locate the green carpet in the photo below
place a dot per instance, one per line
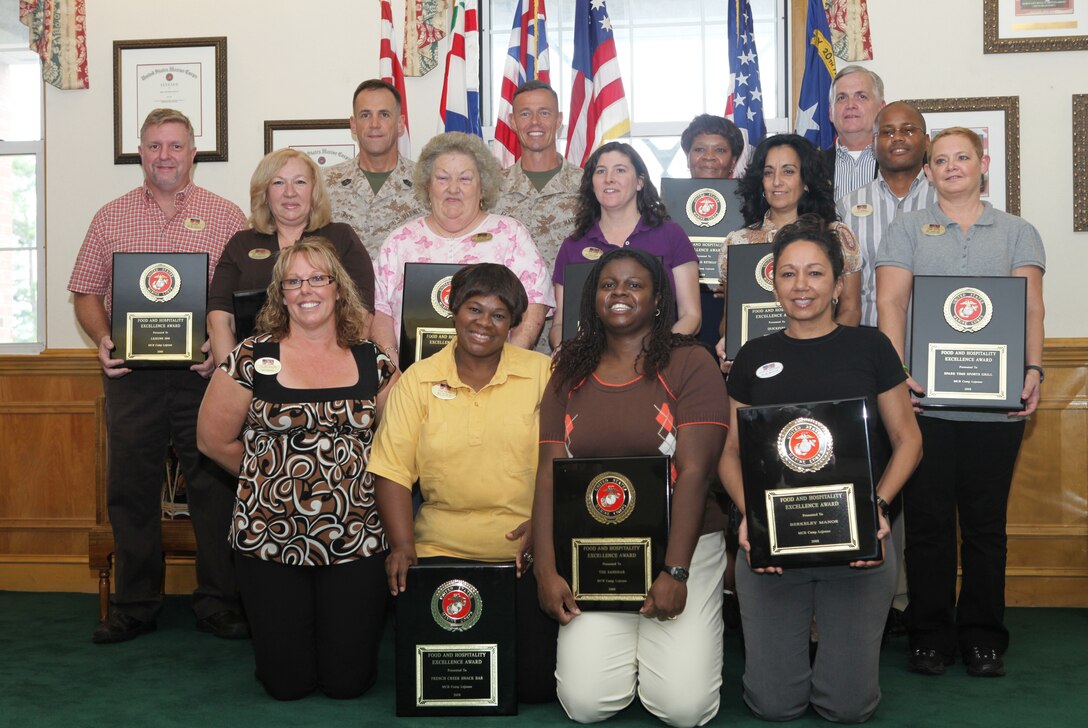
(52, 675)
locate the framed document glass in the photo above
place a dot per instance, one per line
(160, 304)
(809, 487)
(326, 141)
(426, 318)
(611, 527)
(575, 276)
(456, 641)
(185, 74)
(967, 341)
(751, 310)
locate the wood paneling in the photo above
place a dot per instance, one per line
(50, 412)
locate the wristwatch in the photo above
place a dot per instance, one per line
(676, 572)
(1036, 367)
(884, 506)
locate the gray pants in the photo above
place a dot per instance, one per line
(850, 607)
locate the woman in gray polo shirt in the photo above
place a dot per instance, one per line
(968, 456)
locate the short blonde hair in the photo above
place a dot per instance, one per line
(260, 218)
(454, 142)
(975, 139)
(352, 319)
(158, 117)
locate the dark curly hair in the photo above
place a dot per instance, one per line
(648, 201)
(814, 229)
(579, 357)
(718, 125)
(819, 198)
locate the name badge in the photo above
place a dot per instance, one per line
(267, 365)
(770, 369)
(592, 253)
(862, 210)
(482, 237)
(933, 229)
(194, 223)
(260, 253)
(443, 391)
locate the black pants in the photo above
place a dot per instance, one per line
(966, 469)
(537, 636)
(315, 627)
(145, 410)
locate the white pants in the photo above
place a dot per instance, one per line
(676, 664)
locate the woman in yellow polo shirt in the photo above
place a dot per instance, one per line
(464, 423)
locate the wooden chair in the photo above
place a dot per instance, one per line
(177, 534)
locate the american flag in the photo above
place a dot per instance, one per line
(814, 104)
(460, 105)
(526, 59)
(390, 71)
(598, 108)
(745, 105)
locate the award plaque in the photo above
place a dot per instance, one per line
(809, 488)
(455, 644)
(247, 304)
(711, 210)
(611, 520)
(967, 341)
(574, 280)
(160, 304)
(750, 310)
(426, 318)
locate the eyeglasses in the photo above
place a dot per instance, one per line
(290, 284)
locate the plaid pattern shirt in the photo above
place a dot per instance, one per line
(134, 223)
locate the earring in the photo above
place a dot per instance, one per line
(657, 313)
(834, 302)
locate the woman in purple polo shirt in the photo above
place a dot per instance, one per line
(620, 207)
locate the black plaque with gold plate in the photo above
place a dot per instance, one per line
(708, 210)
(575, 276)
(426, 318)
(455, 643)
(160, 304)
(809, 486)
(611, 528)
(968, 339)
(751, 310)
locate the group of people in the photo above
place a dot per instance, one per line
(301, 464)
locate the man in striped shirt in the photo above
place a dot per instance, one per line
(148, 410)
(857, 94)
(899, 137)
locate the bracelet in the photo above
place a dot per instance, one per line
(1035, 367)
(906, 370)
(885, 507)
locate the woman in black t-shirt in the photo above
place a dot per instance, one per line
(816, 359)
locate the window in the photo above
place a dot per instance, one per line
(22, 216)
(673, 57)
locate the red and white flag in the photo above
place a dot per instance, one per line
(598, 108)
(391, 72)
(526, 60)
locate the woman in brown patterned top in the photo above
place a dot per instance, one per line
(293, 412)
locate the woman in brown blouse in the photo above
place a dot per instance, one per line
(293, 412)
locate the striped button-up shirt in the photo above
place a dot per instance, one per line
(851, 173)
(868, 211)
(134, 223)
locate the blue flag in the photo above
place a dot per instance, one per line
(814, 104)
(746, 103)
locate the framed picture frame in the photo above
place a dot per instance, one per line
(1031, 26)
(326, 141)
(997, 120)
(1080, 163)
(187, 74)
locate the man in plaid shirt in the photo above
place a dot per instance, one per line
(146, 410)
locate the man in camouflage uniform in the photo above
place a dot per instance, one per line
(541, 189)
(373, 193)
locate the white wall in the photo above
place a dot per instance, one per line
(287, 62)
